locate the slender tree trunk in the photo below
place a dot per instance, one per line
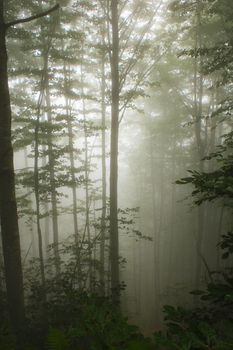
(68, 109)
(31, 227)
(8, 207)
(114, 239)
(37, 195)
(158, 253)
(198, 95)
(46, 220)
(155, 227)
(87, 195)
(46, 224)
(86, 166)
(219, 233)
(52, 174)
(71, 154)
(155, 220)
(153, 193)
(173, 216)
(104, 198)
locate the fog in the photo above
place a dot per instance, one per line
(119, 110)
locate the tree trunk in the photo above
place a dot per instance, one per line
(156, 232)
(114, 239)
(8, 207)
(31, 227)
(71, 153)
(104, 199)
(46, 221)
(37, 195)
(52, 174)
(198, 96)
(86, 172)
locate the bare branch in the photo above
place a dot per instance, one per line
(31, 18)
(143, 76)
(133, 60)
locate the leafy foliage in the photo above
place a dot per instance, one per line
(209, 326)
(218, 184)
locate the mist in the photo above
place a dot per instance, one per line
(116, 174)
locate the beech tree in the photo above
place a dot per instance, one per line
(114, 240)
(129, 49)
(8, 207)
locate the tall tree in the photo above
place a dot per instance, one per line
(115, 94)
(104, 185)
(8, 207)
(130, 65)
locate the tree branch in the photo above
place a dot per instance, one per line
(31, 18)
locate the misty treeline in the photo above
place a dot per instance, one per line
(116, 174)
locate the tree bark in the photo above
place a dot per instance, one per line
(52, 178)
(71, 153)
(198, 97)
(31, 227)
(104, 196)
(37, 195)
(8, 207)
(87, 228)
(114, 239)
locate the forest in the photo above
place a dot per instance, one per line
(116, 175)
